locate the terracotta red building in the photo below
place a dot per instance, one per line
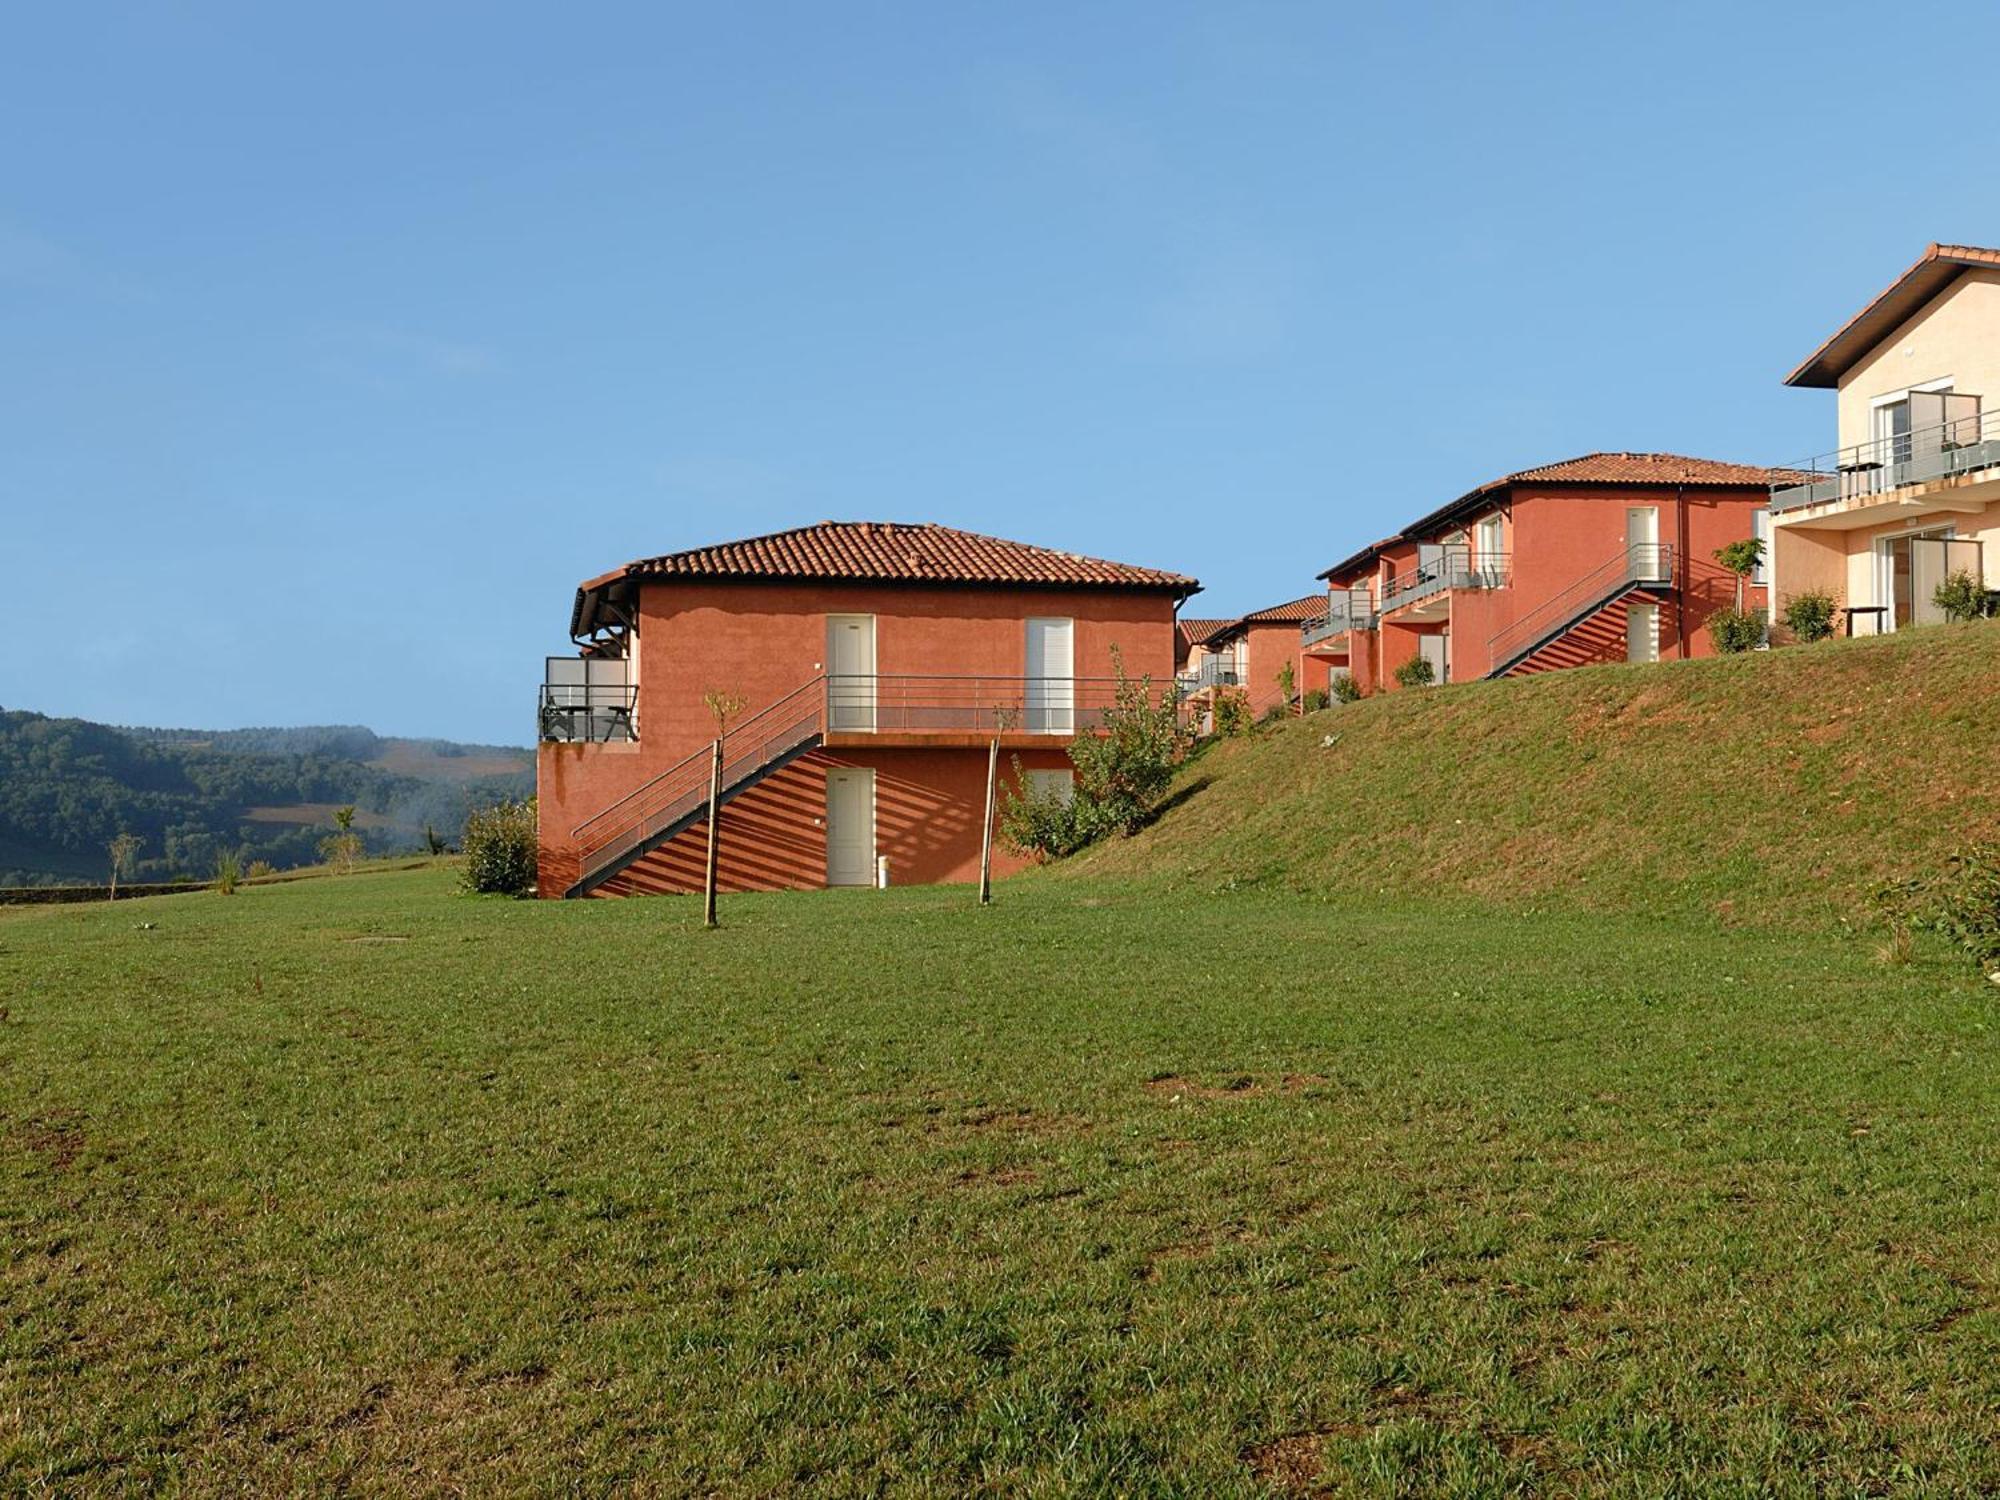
(1607, 557)
(874, 663)
(1249, 655)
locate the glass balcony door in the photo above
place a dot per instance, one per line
(1910, 567)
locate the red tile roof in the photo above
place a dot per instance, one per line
(1311, 607)
(1194, 632)
(881, 552)
(1639, 468)
(1935, 269)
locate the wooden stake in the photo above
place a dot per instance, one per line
(986, 830)
(714, 809)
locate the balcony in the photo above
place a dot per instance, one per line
(1213, 672)
(938, 709)
(586, 700)
(586, 707)
(1436, 575)
(1347, 609)
(1947, 466)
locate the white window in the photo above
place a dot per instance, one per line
(1642, 632)
(1490, 542)
(1761, 529)
(1043, 786)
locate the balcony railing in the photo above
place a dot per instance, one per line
(1211, 672)
(1452, 568)
(1347, 609)
(875, 704)
(969, 705)
(1884, 465)
(587, 713)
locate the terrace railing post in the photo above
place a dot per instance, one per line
(986, 828)
(714, 811)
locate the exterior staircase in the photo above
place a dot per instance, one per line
(1641, 567)
(677, 799)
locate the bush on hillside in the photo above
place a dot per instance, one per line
(499, 847)
(1809, 614)
(1346, 689)
(1275, 714)
(1960, 903)
(1230, 712)
(1962, 596)
(1120, 775)
(1416, 672)
(1735, 630)
(1316, 699)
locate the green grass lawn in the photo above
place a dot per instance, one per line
(1110, 1189)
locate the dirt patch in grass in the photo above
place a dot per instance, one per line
(1173, 1087)
(1014, 1175)
(1024, 1121)
(1292, 1463)
(56, 1137)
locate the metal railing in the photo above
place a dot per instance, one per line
(586, 713)
(1638, 563)
(1211, 672)
(1883, 465)
(1346, 609)
(1453, 567)
(967, 705)
(682, 789)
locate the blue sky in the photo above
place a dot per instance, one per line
(338, 343)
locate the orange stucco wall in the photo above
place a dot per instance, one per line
(762, 641)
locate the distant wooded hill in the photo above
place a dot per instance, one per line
(68, 787)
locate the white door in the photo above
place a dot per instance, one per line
(1051, 677)
(1491, 562)
(850, 826)
(1642, 632)
(1436, 649)
(850, 672)
(1642, 543)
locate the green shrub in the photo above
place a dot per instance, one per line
(1346, 689)
(1809, 615)
(1276, 713)
(1416, 672)
(1962, 596)
(1120, 774)
(1230, 712)
(499, 846)
(228, 872)
(1735, 630)
(1047, 824)
(1960, 903)
(1315, 700)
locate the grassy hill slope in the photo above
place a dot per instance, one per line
(1783, 784)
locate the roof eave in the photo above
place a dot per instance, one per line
(1937, 268)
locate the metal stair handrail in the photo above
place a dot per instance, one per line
(667, 787)
(1635, 563)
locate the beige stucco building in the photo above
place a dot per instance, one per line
(1912, 493)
